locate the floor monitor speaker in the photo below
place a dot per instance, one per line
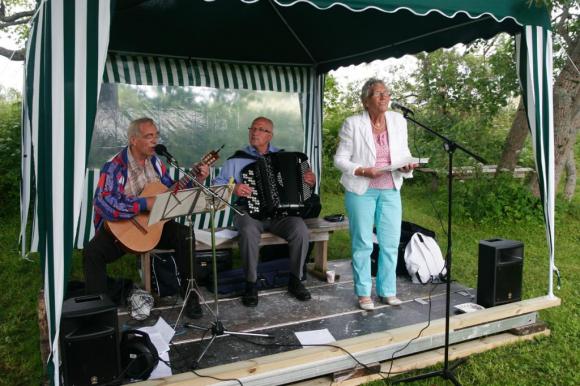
(500, 271)
(89, 341)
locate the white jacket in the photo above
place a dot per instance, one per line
(357, 149)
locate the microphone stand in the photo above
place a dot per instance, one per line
(450, 146)
(217, 328)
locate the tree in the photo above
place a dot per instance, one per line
(464, 93)
(14, 23)
(566, 95)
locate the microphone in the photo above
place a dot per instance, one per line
(162, 150)
(397, 105)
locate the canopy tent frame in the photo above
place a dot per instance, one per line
(66, 59)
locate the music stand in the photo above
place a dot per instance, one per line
(187, 202)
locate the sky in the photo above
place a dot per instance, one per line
(11, 73)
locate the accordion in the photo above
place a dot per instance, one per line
(277, 182)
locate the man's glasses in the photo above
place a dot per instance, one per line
(377, 94)
(260, 129)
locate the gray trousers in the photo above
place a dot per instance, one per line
(292, 229)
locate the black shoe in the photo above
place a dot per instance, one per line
(193, 309)
(296, 288)
(250, 296)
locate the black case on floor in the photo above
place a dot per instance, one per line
(204, 264)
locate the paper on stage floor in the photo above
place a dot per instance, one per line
(315, 337)
(160, 334)
(403, 162)
(221, 236)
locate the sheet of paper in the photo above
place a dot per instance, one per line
(160, 334)
(403, 162)
(227, 234)
(220, 237)
(173, 204)
(162, 370)
(164, 329)
(315, 337)
(185, 202)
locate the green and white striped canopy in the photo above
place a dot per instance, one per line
(280, 45)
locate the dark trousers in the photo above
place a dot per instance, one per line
(291, 228)
(104, 249)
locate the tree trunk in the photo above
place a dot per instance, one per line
(515, 140)
(570, 176)
(566, 109)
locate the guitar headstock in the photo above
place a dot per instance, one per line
(211, 157)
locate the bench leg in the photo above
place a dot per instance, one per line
(146, 268)
(320, 259)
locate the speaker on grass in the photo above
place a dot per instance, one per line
(500, 271)
(89, 341)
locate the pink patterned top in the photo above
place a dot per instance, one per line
(383, 159)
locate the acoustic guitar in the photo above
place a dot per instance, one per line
(135, 234)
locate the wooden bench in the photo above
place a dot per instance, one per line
(319, 231)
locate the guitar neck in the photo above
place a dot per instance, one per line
(209, 159)
(181, 183)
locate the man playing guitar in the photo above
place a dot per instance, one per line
(121, 181)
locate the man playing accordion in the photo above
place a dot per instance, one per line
(291, 228)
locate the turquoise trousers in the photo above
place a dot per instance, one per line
(382, 209)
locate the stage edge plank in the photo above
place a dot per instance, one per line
(296, 365)
(430, 358)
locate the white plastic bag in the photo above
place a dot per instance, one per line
(424, 260)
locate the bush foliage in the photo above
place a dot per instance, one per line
(10, 150)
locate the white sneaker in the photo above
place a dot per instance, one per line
(366, 304)
(392, 301)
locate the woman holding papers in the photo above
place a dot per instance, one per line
(369, 144)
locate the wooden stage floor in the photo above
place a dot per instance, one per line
(333, 307)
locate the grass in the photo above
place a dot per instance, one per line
(547, 361)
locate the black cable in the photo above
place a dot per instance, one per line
(181, 355)
(118, 379)
(418, 335)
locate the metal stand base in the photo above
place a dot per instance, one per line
(446, 374)
(217, 329)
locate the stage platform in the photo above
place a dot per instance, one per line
(372, 336)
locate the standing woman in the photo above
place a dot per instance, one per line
(369, 141)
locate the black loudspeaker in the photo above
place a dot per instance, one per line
(139, 356)
(500, 271)
(89, 341)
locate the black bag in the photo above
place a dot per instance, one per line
(271, 274)
(408, 229)
(164, 274)
(204, 264)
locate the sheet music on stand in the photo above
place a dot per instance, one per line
(184, 202)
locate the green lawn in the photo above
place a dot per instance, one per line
(546, 361)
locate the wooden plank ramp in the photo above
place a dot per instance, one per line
(306, 363)
(429, 358)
